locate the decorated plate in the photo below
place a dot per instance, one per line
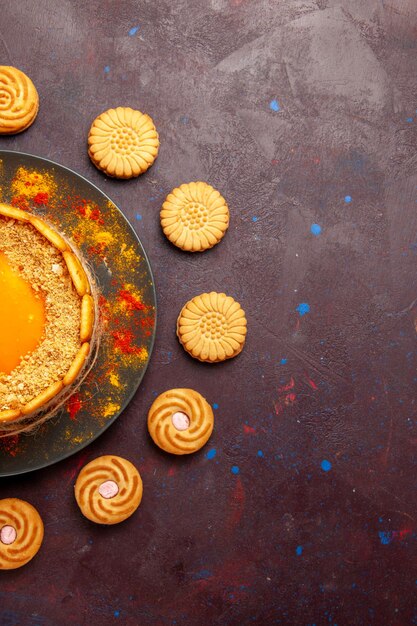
(127, 305)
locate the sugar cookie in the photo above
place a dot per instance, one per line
(108, 490)
(194, 217)
(180, 421)
(19, 100)
(212, 327)
(123, 142)
(21, 533)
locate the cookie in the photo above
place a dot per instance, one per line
(19, 101)
(212, 327)
(180, 421)
(21, 533)
(123, 142)
(194, 217)
(108, 490)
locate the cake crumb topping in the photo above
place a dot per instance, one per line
(42, 266)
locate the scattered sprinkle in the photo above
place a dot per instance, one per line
(315, 229)
(260, 453)
(215, 406)
(303, 308)
(326, 465)
(211, 453)
(133, 31)
(107, 69)
(274, 106)
(384, 537)
(409, 119)
(348, 199)
(116, 613)
(235, 469)
(254, 218)
(299, 550)
(202, 575)
(138, 217)
(283, 361)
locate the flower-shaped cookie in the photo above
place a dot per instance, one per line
(212, 327)
(123, 142)
(19, 100)
(180, 421)
(21, 533)
(194, 217)
(108, 490)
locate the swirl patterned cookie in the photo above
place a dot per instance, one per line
(123, 143)
(108, 490)
(19, 101)
(180, 421)
(21, 533)
(212, 327)
(194, 217)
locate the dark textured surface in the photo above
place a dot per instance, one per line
(283, 541)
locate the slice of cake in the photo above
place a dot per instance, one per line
(47, 315)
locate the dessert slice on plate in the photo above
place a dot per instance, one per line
(47, 318)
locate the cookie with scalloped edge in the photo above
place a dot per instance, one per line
(123, 142)
(212, 327)
(194, 217)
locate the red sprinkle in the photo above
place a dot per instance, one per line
(133, 303)
(10, 445)
(74, 405)
(20, 202)
(41, 198)
(123, 341)
(91, 214)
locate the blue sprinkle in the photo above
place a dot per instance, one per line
(326, 465)
(409, 119)
(215, 406)
(315, 229)
(260, 453)
(203, 574)
(107, 69)
(303, 308)
(184, 119)
(380, 520)
(211, 453)
(235, 469)
(133, 31)
(116, 613)
(348, 199)
(274, 106)
(138, 217)
(283, 361)
(299, 550)
(254, 218)
(385, 537)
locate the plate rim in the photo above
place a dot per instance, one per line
(127, 401)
